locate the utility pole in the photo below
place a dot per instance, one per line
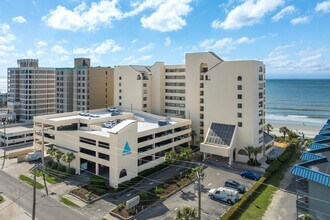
(199, 196)
(4, 121)
(34, 169)
(43, 157)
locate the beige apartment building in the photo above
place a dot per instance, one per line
(115, 146)
(224, 99)
(31, 90)
(83, 87)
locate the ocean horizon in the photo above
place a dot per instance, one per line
(288, 101)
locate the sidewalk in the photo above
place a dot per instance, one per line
(13, 211)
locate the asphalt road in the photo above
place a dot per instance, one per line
(211, 209)
(46, 208)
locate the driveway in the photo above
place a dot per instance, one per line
(211, 209)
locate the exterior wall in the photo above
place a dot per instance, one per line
(80, 89)
(128, 91)
(31, 90)
(64, 90)
(16, 138)
(100, 87)
(157, 88)
(319, 207)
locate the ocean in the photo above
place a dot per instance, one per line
(288, 101)
(300, 102)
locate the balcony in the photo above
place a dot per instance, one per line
(302, 186)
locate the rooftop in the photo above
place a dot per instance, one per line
(220, 134)
(16, 129)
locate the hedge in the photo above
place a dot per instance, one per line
(285, 155)
(233, 210)
(274, 166)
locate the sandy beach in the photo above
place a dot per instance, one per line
(309, 131)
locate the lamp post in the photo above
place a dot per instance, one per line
(4, 122)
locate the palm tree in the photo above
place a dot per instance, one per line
(186, 154)
(68, 157)
(256, 151)
(284, 131)
(269, 128)
(57, 154)
(187, 213)
(249, 150)
(171, 157)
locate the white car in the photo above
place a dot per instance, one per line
(224, 194)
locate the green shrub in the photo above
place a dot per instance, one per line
(285, 155)
(71, 171)
(54, 165)
(49, 163)
(121, 206)
(233, 210)
(61, 168)
(96, 190)
(159, 190)
(143, 195)
(97, 181)
(273, 167)
(1, 198)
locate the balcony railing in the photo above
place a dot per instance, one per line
(302, 204)
(302, 185)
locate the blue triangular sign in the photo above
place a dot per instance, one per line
(127, 149)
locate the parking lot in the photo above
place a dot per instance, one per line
(211, 209)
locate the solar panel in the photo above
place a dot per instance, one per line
(220, 134)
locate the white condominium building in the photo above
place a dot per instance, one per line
(224, 99)
(31, 90)
(83, 87)
(116, 145)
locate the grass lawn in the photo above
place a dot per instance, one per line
(1, 198)
(69, 203)
(49, 178)
(30, 181)
(258, 206)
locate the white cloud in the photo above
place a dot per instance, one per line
(6, 48)
(59, 50)
(323, 7)
(41, 44)
(285, 11)
(5, 34)
(134, 41)
(167, 42)
(133, 60)
(19, 19)
(146, 47)
(228, 44)
(248, 13)
(300, 20)
(83, 17)
(168, 16)
(106, 46)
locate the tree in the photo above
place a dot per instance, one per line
(171, 157)
(187, 213)
(68, 157)
(256, 151)
(249, 150)
(284, 131)
(57, 154)
(269, 128)
(186, 154)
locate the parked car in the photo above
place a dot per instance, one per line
(224, 194)
(250, 175)
(235, 185)
(270, 159)
(33, 156)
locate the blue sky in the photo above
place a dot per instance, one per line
(290, 36)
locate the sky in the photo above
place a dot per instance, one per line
(292, 37)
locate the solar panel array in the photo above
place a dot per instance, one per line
(220, 134)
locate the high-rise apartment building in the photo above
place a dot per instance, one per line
(224, 99)
(83, 87)
(31, 90)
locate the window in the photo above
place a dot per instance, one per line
(242, 152)
(144, 105)
(104, 156)
(239, 96)
(239, 105)
(240, 124)
(123, 173)
(239, 87)
(144, 98)
(119, 103)
(239, 115)
(119, 90)
(119, 84)
(144, 84)
(119, 97)
(239, 78)
(202, 85)
(119, 77)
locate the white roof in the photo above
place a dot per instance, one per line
(120, 126)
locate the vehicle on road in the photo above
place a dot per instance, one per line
(250, 175)
(224, 194)
(235, 185)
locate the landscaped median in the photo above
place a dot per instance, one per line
(69, 202)
(30, 181)
(255, 202)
